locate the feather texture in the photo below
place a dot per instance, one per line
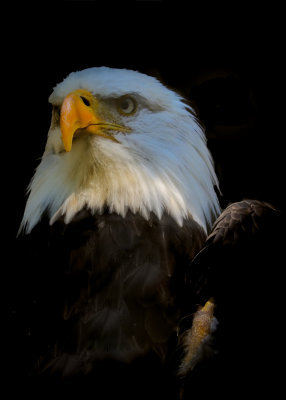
(110, 288)
(162, 165)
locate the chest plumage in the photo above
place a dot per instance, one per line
(117, 285)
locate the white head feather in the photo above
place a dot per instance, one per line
(162, 165)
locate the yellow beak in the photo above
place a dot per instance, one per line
(80, 110)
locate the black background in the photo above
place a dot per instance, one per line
(227, 61)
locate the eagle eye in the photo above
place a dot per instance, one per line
(126, 105)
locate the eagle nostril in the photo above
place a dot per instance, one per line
(86, 102)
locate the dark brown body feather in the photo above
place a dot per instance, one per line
(103, 298)
(107, 294)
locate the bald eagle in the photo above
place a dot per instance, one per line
(122, 201)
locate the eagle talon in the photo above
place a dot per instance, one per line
(197, 338)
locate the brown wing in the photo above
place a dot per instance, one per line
(241, 220)
(243, 241)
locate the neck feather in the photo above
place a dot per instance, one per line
(88, 177)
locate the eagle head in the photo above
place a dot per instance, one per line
(121, 139)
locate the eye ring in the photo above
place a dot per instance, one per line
(126, 105)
